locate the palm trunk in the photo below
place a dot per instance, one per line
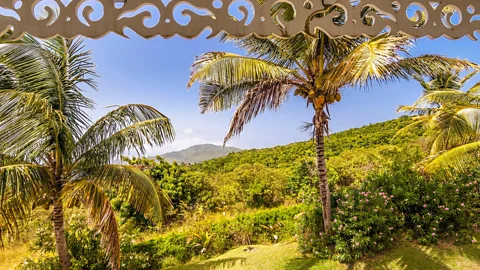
(322, 171)
(60, 239)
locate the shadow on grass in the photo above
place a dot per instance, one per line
(301, 263)
(408, 257)
(212, 265)
(470, 252)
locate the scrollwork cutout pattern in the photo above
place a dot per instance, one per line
(451, 18)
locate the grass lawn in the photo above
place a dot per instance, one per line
(405, 255)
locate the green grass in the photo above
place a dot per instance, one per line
(404, 255)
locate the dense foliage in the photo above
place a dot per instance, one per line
(284, 156)
(207, 238)
(391, 205)
(379, 199)
(83, 242)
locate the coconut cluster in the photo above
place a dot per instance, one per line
(319, 98)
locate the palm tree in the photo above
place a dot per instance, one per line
(453, 118)
(315, 68)
(56, 156)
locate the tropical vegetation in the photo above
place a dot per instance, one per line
(452, 117)
(66, 203)
(52, 155)
(315, 69)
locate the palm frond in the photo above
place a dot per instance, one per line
(468, 77)
(447, 96)
(451, 129)
(132, 184)
(283, 52)
(461, 158)
(372, 60)
(214, 97)
(21, 185)
(228, 69)
(266, 95)
(416, 110)
(475, 90)
(100, 213)
(428, 65)
(132, 126)
(411, 127)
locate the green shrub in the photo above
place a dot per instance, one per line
(212, 237)
(433, 209)
(362, 222)
(83, 246)
(396, 202)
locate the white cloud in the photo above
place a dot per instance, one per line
(187, 131)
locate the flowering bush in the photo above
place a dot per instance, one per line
(392, 204)
(433, 209)
(363, 222)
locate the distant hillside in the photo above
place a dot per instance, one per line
(284, 156)
(199, 153)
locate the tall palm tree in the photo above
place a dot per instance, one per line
(453, 118)
(316, 68)
(56, 155)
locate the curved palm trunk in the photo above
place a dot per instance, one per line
(322, 170)
(60, 239)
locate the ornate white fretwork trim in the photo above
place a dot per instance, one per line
(417, 18)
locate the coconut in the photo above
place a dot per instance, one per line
(338, 97)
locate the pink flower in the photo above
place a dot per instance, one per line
(456, 234)
(462, 204)
(374, 243)
(434, 229)
(334, 221)
(433, 234)
(381, 233)
(355, 218)
(391, 228)
(321, 234)
(474, 241)
(456, 190)
(346, 196)
(419, 226)
(384, 196)
(424, 206)
(446, 209)
(357, 244)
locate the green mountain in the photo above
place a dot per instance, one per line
(284, 156)
(199, 153)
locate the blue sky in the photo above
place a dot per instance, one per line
(156, 71)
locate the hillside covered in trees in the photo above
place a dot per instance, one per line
(366, 137)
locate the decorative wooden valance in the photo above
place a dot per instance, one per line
(418, 18)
